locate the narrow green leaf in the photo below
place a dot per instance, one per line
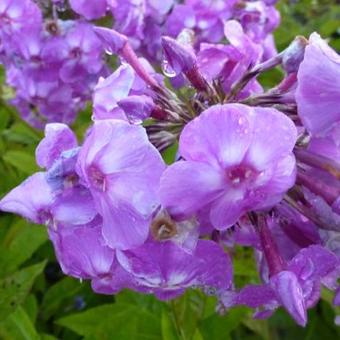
(20, 242)
(218, 327)
(56, 295)
(18, 326)
(15, 288)
(21, 160)
(115, 321)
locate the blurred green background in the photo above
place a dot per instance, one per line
(38, 302)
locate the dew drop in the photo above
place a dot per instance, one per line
(108, 51)
(167, 69)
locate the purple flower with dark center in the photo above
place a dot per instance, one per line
(234, 163)
(35, 208)
(122, 169)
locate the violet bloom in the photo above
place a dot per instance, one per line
(228, 63)
(318, 86)
(57, 193)
(108, 92)
(18, 15)
(124, 95)
(35, 208)
(58, 138)
(296, 287)
(142, 21)
(122, 169)
(237, 159)
(204, 17)
(84, 53)
(166, 270)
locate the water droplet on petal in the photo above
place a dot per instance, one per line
(108, 51)
(167, 69)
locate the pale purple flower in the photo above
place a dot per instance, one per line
(204, 17)
(166, 269)
(318, 84)
(297, 287)
(34, 207)
(122, 169)
(228, 63)
(108, 92)
(18, 15)
(49, 206)
(234, 163)
(58, 138)
(81, 251)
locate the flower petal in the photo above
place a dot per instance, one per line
(188, 186)
(221, 135)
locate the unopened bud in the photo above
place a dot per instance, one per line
(112, 40)
(293, 55)
(182, 58)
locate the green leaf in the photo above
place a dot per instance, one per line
(4, 118)
(31, 307)
(46, 336)
(187, 311)
(169, 154)
(20, 242)
(21, 132)
(56, 295)
(169, 331)
(119, 321)
(15, 288)
(219, 327)
(18, 326)
(21, 160)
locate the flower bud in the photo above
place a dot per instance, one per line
(182, 58)
(112, 40)
(294, 54)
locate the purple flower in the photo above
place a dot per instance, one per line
(166, 269)
(297, 287)
(122, 169)
(228, 63)
(108, 92)
(81, 251)
(234, 163)
(84, 50)
(18, 15)
(318, 84)
(204, 17)
(58, 138)
(49, 206)
(35, 207)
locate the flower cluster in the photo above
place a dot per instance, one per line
(53, 61)
(52, 64)
(144, 21)
(255, 168)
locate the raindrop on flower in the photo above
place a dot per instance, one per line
(167, 69)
